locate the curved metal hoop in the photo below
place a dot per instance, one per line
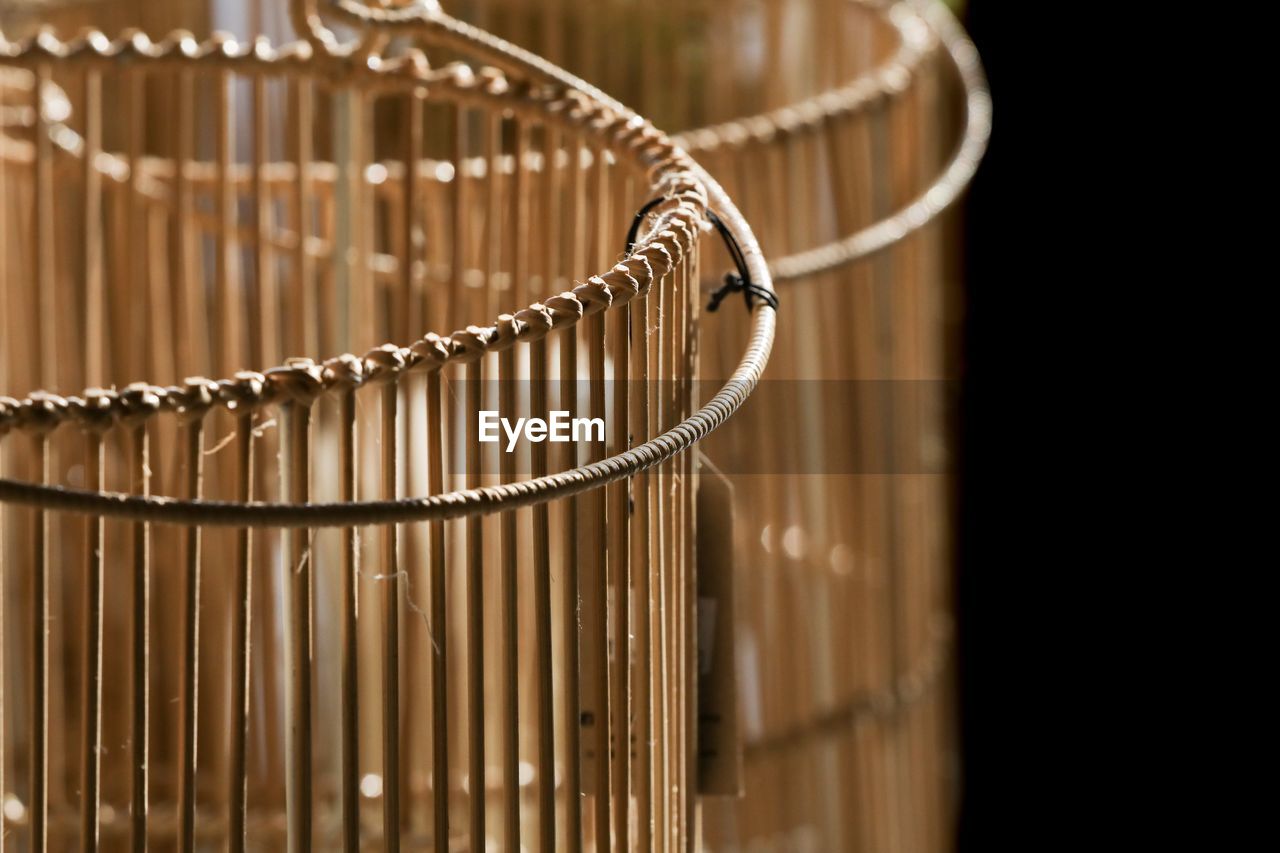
(436, 27)
(689, 190)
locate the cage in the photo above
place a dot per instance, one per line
(225, 620)
(844, 129)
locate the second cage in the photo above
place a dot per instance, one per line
(224, 619)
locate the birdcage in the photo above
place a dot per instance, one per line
(226, 618)
(844, 129)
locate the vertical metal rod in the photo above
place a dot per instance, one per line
(94, 318)
(620, 579)
(4, 755)
(688, 596)
(572, 609)
(139, 728)
(549, 228)
(679, 604)
(680, 692)
(646, 572)
(225, 289)
(550, 223)
(638, 553)
(413, 199)
(485, 300)
(687, 334)
(461, 210)
(342, 216)
(475, 617)
(46, 280)
(519, 211)
(662, 522)
(390, 630)
(193, 347)
(140, 324)
(883, 277)
(643, 561)
(519, 270)
(263, 344)
(544, 685)
(40, 659)
(241, 615)
(405, 325)
(193, 452)
(364, 215)
(6, 370)
(572, 599)
(295, 419)
(598, 605)
(508, 623)
(350, 683)
(595, 330)
(439, 627)
(303, 272)
(91, 731)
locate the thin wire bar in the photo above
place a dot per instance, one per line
(642, 559)
(543, 684)
(144, 325)
(439, 607)
(619, 572)
(294, 456)
(225, 207)
(140, 706)
(510, 695)
(94, 315)
(390, 582)
(241, 616)
(662, 512)
(461, 204)
(553, 191)
(638, 553)
(91, 724)
(264, 334)
(193, 346)
(4, 753)
(475, 618)
(40, 657)
(519, 210)
(350, 678)
(685, 331)
(596, 620)
(572, 602)
(404, 324)
(43, 228)
(193, 453)
(300, 151)
(485, 302)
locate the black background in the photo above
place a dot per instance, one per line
(988, 648)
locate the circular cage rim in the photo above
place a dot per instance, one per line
(688, 192)
(918, 23)
(932, 19)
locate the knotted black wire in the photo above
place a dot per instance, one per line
(733, 282)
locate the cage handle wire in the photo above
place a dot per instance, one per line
(739, 282)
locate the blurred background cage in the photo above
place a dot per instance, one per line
(844, 129)
(224, 624)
